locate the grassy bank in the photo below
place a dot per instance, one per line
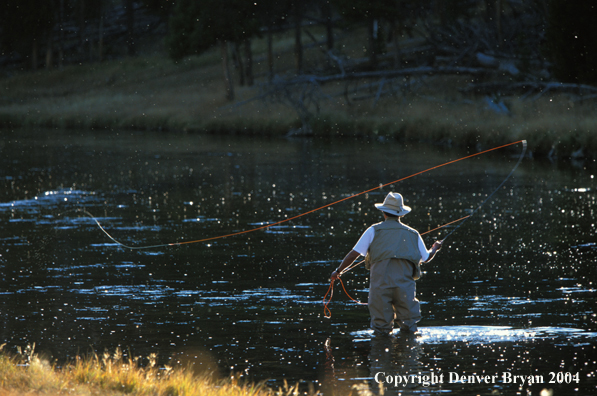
(152, 92)
(28, 374)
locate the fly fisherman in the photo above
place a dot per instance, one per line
(393, 254)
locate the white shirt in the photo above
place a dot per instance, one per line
(363, 243)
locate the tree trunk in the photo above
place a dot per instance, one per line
(238, 63)
(270, 54)
(100, 33)
(396, 43)
(90, 48)
(326, 10)
(249, 63)
(493, 16)
(298, 44)
(81, 27)
(226, 68)
(34, 55)
(61, 36)
(49, 50)
(130, 26)
(373, 42)
(498, 21)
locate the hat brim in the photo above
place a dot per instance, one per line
(405, 210)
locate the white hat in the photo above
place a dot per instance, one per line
(393, 204)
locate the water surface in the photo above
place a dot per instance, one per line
(513, 291)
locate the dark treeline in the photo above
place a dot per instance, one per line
(530, 39)
(51, 33)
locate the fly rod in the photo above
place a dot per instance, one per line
(330, 292)
(465, 218)
(179, 243)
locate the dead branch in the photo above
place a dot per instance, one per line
(529, 87)
(423, 70)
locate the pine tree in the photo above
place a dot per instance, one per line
(196, 26)
(25, 25)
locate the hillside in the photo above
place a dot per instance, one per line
(152, 92)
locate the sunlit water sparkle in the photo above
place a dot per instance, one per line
(513, 290)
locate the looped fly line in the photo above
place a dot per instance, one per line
(305, 213)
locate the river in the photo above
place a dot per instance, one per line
(509, 304)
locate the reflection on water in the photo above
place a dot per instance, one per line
(512, 291)
(402, 363)
(491, 334)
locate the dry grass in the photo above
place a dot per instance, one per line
(153, 92)
(112, 374)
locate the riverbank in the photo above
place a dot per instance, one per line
(153, 93)
(112, 374)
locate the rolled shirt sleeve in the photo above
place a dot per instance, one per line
(363, 243)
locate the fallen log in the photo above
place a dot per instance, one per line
(529, 87)
(423, 70)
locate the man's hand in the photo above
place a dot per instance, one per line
(348, 260)
(437, 245)
(335, 275)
